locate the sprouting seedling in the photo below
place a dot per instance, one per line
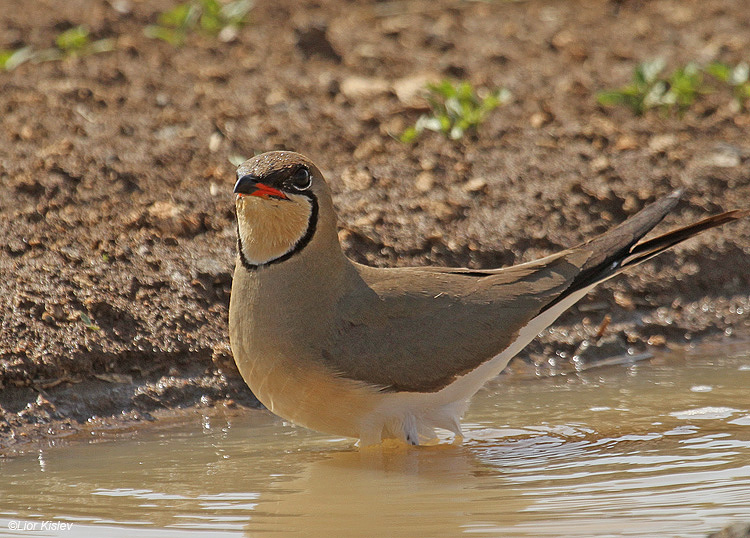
(88, 322)
(737, 77)
(10, 59)
(75, 41)
(644, 90)
(210, 16)
(455, 109)
(649, 88)
(685, 85)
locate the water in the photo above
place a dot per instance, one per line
(658, 448)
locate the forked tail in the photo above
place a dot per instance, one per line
(622, 246)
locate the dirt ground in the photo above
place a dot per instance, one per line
(115, 179)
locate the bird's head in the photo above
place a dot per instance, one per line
(278, 198)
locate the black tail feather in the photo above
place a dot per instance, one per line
(648, 249)
(622, 247)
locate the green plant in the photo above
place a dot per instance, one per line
(737, 77)
(88, 322)
(650, 89)
(75, 41)
(455, 109)
(10, 59)
(210, 16)
(685, 85)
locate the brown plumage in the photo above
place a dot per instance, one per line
(374, 353)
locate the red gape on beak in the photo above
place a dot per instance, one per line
(249, 186)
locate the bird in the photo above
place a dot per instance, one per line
(378, 354)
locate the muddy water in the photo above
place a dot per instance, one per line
(657, 448)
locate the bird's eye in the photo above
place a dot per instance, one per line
(301, 179)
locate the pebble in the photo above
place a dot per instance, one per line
(409, 90)
(475, 185)
(626, 142)
(214, 142)
(425, 181)
(600, 164)
(363, 87)
(661, 142)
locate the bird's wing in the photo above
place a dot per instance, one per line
(418, 329)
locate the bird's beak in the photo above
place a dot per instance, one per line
(249, 186)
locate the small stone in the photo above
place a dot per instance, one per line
(626, 142)
(276, 97)
(724, 159)
(425, 181)
(214, 142)
(475, 185)
(363, 87)
(427, 163)
(162, 99)
(228, 33)
(538, 119)
(443, 211)
(123, 7)
(630, 203)
(55, 310)
(624, 301)
(661, 142)
(600, 164)
(409, 89)
(368, 220)
(657, 340)
(16, 247)
(563, 39)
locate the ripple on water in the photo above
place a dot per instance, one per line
(611, 452)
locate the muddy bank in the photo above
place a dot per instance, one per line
(116, 217)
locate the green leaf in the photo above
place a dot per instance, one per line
(10, 59)
(181, 16)
(88, 323)
(409, 135)
(73, 40)
(455, 109)
(720, 71)
(170, 35)
(235, 13)
(611, 98)
(211, 24)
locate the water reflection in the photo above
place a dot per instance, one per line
(613, 452)
(393, 493)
